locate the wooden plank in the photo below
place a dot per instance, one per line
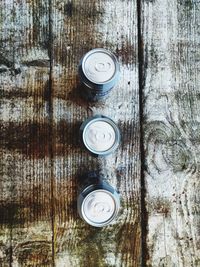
(171, 124)
(25, 196)
(77, 27)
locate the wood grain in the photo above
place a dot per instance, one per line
(77, 27)
(171, 124)
(25, 182)
(41, 159)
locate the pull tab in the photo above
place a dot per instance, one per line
(102, 66)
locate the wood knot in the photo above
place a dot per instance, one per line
(166, 148)
(177, 155)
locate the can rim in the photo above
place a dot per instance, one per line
(89, 121)
(116, 203)
(117, 68)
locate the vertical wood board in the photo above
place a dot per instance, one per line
(171, 35)
(25, 206)
(78, 27)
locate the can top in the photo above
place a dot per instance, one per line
(100, 135)
(100, 66)
(99, 207)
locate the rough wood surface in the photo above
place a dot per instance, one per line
(171, 32)
(25, 182)
(79, 26)
(41, 111)
(41, 160)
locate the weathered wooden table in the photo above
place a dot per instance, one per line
(156, 105)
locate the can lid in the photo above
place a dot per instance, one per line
(100, 135)
(99, 68)
(99, 207)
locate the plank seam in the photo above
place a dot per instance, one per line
(50, 126)
(141, 79)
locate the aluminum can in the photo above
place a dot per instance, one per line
(98, 202)
(99, 72)
(100, 135)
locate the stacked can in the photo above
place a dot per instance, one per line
(98, 202)
(100, 135)
(99, 72)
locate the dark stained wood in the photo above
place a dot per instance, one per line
(25, 182)
(171, 32)
(79, 26)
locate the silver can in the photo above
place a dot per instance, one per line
(99, 72)
(100, 135)
(98, 203)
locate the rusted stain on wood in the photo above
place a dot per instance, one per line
(127, 53)
(31, 140)
(77, 36)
